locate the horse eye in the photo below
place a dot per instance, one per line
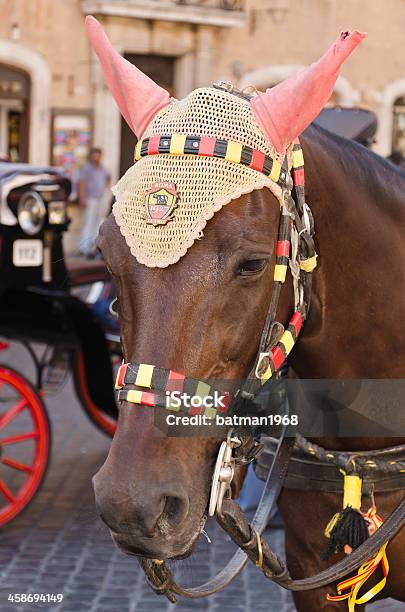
(252, 266)
(113, 307)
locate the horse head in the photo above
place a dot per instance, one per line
(191, 245)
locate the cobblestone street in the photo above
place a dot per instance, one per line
(60, 546)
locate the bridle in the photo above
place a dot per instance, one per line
(147, 384)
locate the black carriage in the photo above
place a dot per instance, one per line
(56, 310)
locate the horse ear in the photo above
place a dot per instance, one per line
(136, 95)
(285, 110)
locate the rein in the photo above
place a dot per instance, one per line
(252, 547)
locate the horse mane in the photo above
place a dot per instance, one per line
(363, 166)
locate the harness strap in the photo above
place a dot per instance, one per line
(295, 238)
(208, 146)
(155, 384)
(270, 362)
(313, 468)
(272, 567)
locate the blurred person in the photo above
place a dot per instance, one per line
(94, 183)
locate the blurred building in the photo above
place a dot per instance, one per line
(54, 105)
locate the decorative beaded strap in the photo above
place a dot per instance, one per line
(284, 232)
(280, 352)
(156, 383)
(268, 363)
(206, 146)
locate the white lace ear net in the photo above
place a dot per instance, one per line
(204, 184)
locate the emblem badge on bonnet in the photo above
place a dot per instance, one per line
(161, 200)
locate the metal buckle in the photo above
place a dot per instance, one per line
(307, 219)
(223, 474)
(230, 88)
(260, 369)
(224, 85)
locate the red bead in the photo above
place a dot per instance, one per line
(175, 381)
(257, 160)
(121, 376)
(299, 177)
(296, 321)
(277, 357)
(207, 146)
(148, 399)
(153, 146)
(283, 248)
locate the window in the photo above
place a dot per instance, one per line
(398, 126)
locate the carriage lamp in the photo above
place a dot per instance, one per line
(57, 213)
(31, 213)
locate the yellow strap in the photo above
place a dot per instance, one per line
(298, 158)
(138, 150)
(280, 272)
(144, 375)
(287, 341)
(177, 144)
(380, 585)
(308, 265)
(356, 582)
(352, 492)
(233, 152)
(275, 171)
(134, 396)
(265, 377)
(331, 524)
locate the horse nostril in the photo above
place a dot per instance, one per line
(172, 507)
(174, 511)
(145, 512)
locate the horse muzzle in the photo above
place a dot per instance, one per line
(153, 548)
(154, 522)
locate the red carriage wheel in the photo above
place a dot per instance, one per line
(100, 418)
(24, 443)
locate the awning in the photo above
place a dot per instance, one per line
(357, 124)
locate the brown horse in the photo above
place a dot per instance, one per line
(204, 316)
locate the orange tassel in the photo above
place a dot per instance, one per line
(354, 584)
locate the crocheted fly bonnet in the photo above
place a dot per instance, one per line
(197, 154)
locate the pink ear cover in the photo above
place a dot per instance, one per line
(137, 96)
(284, 111)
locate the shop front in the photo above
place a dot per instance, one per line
(14, 113)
